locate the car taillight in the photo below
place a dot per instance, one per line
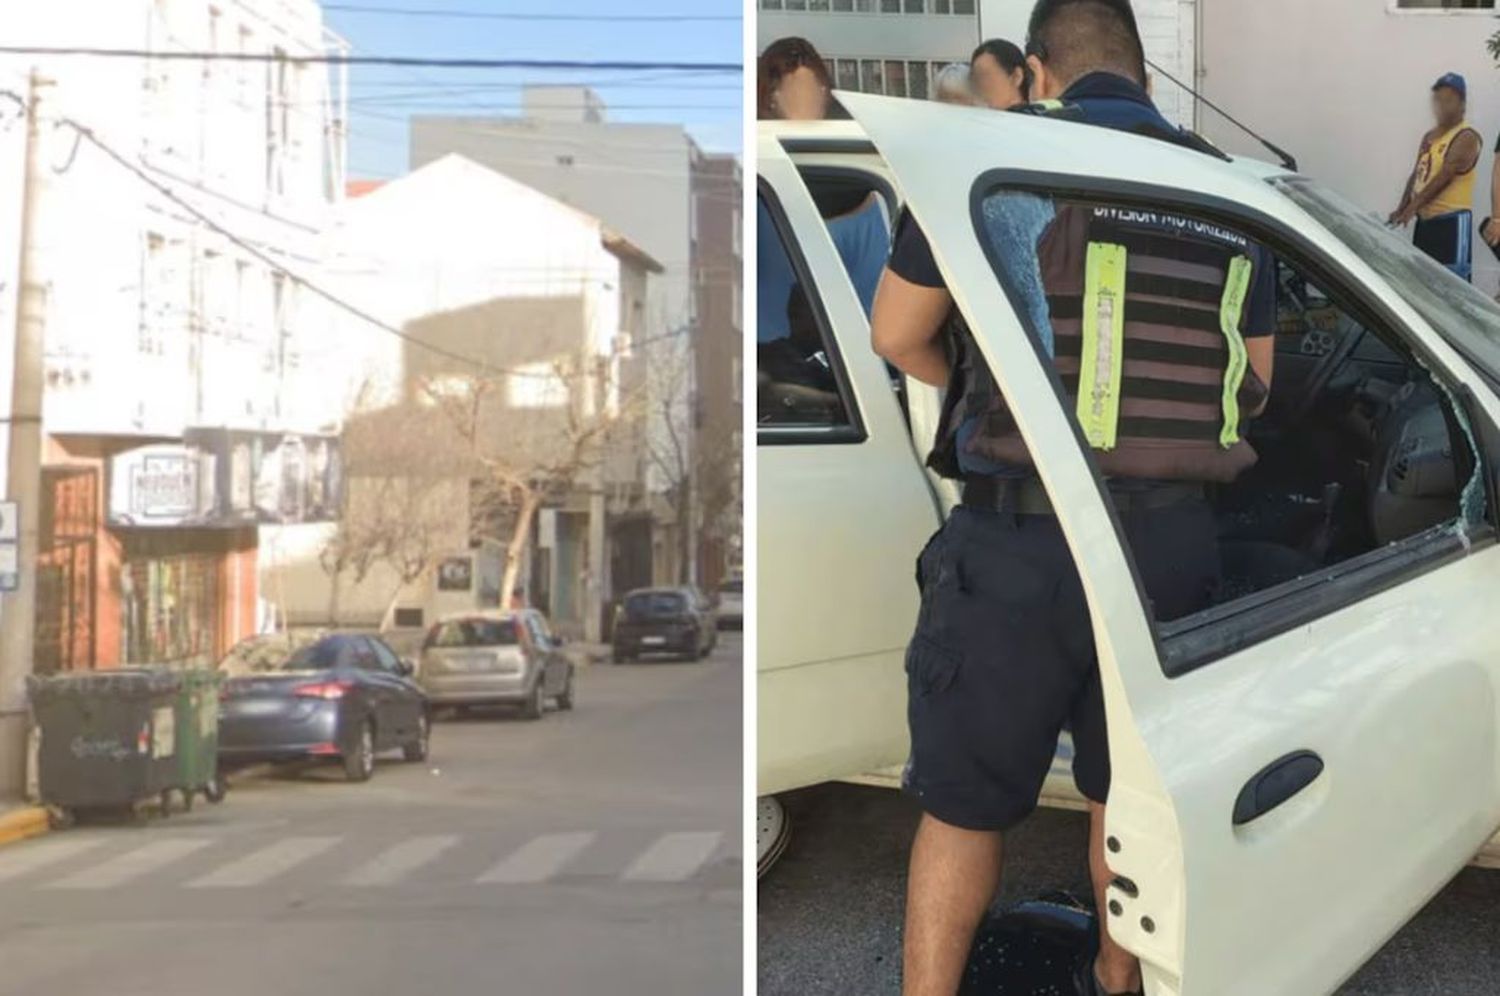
(323, 690)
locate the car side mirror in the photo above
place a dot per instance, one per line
(406, 668)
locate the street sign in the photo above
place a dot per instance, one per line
(10, 522)
(10, 566)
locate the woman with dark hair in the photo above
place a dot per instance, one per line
(1000, 75)
(792, 81)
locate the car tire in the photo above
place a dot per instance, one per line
(359, 763)
(565, 700)
(534, 702)
(416, 751)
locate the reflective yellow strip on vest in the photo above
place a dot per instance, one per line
(1103, 355)
(1231, 309)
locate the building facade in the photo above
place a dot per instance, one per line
(1389, 53)
(638, 180)
(718, 350)
(490, 283)
(896, 47)
(181, 409)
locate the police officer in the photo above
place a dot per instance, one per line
(1003, 656)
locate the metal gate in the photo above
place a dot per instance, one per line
(65, 630)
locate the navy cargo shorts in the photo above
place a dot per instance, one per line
(1003, 654)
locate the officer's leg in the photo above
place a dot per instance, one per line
(953, 876)
(1117, 969)
(986, 697)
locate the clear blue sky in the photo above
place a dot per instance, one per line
(382, 98)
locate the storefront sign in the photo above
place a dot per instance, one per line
(219, 478)
(156, 486)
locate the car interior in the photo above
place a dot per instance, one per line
(1359, 446)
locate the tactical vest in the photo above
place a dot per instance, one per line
(1147, 312)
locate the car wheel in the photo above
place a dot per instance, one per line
(417, 750)
(773, 831)
(565, 700)
(534, 703)
(359, 763)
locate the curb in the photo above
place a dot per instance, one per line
(23, 823)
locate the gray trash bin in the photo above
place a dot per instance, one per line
(108, 738)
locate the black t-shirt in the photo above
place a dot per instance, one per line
(911, 260)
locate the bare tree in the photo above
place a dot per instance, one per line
(405, 474)
(530, 437)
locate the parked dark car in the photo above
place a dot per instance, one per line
(496, 657)
(343, 696)
(677, 621)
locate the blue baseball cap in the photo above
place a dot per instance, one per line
(1454, 82)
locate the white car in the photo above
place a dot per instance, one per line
(731, 603)
(1297, 769)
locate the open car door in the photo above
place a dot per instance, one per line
(842, 503)
(1295, 772)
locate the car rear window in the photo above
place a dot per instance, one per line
(320, 656)
(473, 633)
(654, 604)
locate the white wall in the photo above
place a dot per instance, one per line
(149, 341)
(1343, 85)
(940, 37)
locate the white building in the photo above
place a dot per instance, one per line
(895, 46)
(1348, 92)
(482, 266)
(182, 406)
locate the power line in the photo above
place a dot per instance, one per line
(490, 15)
(376, 60)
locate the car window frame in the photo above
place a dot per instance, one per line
(1219, 632)
(393, 666)
(357, 660)
(854, 432)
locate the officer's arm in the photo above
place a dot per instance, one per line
(1262, 353)
(905, 325)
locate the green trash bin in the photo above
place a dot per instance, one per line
(108, 738)
(197, 728)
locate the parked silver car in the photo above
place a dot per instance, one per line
(500, 657)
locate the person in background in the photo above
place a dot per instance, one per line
(999, 75)
(1490, 229)
(792, 83)
(1439, 193)
(951, 85)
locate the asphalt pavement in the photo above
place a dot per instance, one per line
(829, 915)
(593, 851)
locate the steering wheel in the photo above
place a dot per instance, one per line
(1346, 337)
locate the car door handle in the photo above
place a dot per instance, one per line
(1276, 783)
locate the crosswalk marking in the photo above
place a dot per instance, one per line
(17, 861)
(400, 860)
(673, 857)
(538, 859)
(266, 863)
(130, 865)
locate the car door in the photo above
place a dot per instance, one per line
(843, 507)
(550, 659)
(407, 698)
(1295, 773)
(385, 694)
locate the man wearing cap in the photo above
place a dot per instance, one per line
(1440, 192)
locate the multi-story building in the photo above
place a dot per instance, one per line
(637, 179)
(534, 312)
(718, 281)
(182, 409)
(895, 47)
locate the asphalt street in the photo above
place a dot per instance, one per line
(830, 911)
(594, 851)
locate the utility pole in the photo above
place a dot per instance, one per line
(24, 468)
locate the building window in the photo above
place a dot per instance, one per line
(895, 78)
(918, 80)
(1444, 4)
(872, 79)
